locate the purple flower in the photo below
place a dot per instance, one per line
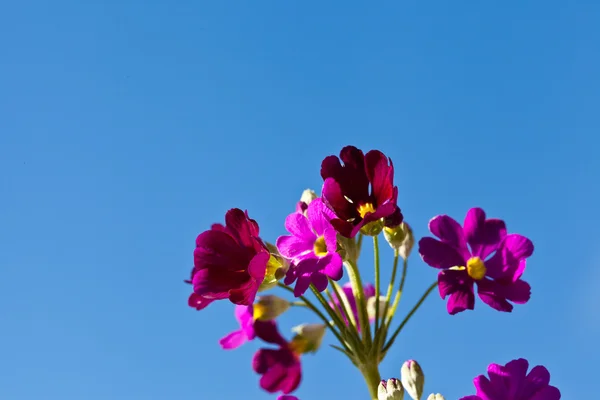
(244, 315)
(287, 397)
(280, 367)
(360, 191)
(311, 247)
(369, 291)
(512, 382)
(494, 261)
(229, 261)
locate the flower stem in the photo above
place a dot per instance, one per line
(377, 280)
(398, 294)
(370, 372)
(409, 315)
(361, 304)
(345, 332)
(380, 334)
(314, 309)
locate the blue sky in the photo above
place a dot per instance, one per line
(127, 128)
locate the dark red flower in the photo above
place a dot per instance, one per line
(360, 191)
(229, 262)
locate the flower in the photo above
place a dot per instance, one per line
(230, 261)
(280, 368)
(494, 261)
(244, 315)
(390, 390)
(413, 379)
(346, 189)
(270, 307)
(311, 247)
(400, 238)
(287, 397)
(369, 291)
(512, 382)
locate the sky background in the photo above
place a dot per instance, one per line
(128, 127)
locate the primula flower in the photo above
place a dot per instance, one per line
(311, 247)
(230, 261)
(497, 277)
(346, 189)
(245, 317)
(512, 382)
(280, 368)
(369, 291)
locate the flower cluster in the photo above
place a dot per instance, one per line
(324, 237)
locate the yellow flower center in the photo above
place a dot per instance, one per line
(363, 209)
(320, 248)
(476, 268)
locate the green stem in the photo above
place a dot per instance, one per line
(398, 294)
(409, 315)
(361, 304)
(372, 377)
(380, 334)
(328, 323)
(345, 332)
(377, 281)
(344, 305)
(358, 245)
(298, 304)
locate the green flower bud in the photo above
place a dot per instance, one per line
(270, 307)
(308, 338)
(371, 306)
(390, 390)
(413, 379)
(400, 238)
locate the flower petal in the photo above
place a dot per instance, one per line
(335, 199)
(452, 280)
(213, 283)
(537, 379)
(297, 225)
(241, 226)
(216, 248)
(491, 293)
(233, 340)
(333, 267)
(438, 254)
(198, 302)
(460, 301)
(484, 236)
(319, 280)
(381, 176)
(319, 216)
(547, 393)
(293, 247)
(268, 332)
(450, 232)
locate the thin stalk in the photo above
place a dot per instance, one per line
(372, 377)
(409, 315)
(358, 245)
(380, 334)
(377, 281)
(314, 309)
(346, 311)
(361, 303)
(354, 341)
(398, 294)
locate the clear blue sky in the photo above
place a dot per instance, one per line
(128, 127)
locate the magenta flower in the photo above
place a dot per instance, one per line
(312, 248)
(512, 382)
(229, 261)
(198, 302)
(244, 315)
(494, 261)
(287, 397)
(280, 368)
(369, 291)
(360, 191)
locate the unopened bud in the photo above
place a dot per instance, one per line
(277, 267)
(372, 228)
(400, 238)
(435, 396)
(308, 338)
(371, 306)
(270, 307)
(390, 390)
(307, 197)
(413, 379)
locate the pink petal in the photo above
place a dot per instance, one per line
(450, 232)
(438, 254)
(484, 236)
(233, 340)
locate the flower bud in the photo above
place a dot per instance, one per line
(400, 238)
(348, 248)
(372, 228)
(270, 307)
(307, 197)
(371, 306)
(413, 379)
(308, 338)
(277, 267)
(390, 390)
(436, 396)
